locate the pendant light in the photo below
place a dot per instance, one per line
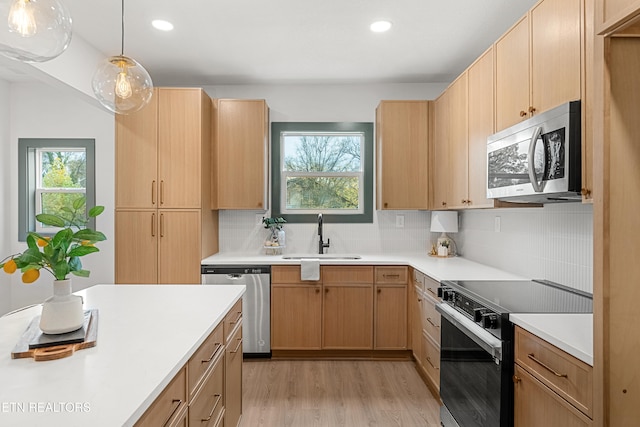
(35, 30)
(121, 84)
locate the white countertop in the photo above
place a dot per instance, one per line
(456, 268)
(146, 333)
(572, 333)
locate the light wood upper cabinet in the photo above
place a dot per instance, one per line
(160, 151)
(241, 154)
(512, 75)
(440, 153)
(556, 52)
(402, 145)
(180, 120)
(481, 125)
(137, 157)
(539, 61)
(458, 173)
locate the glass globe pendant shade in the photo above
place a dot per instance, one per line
(122, 85)
(34, 30)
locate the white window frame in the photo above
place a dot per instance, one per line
(284, 174)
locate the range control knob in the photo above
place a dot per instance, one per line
(478, 313)
(449, 295)
(489, 320)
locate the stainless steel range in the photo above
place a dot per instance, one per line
(476, 354)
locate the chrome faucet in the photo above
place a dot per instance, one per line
(321, 243)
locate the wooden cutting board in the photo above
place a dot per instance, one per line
(32, 337)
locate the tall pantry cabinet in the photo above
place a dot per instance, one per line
(164, 224)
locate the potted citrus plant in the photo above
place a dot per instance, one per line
(59, 255)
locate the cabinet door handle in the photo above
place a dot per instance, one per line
(218, 396)
(419, 299)
(532, 110)
(238, 346)
(444, 203)
(153, 192)
(516, 379)
(391, 276)
(432, 292)
(162, 192)
(523, 113)
(317, 291)
(585, 192)
(386, 205)
(431, 321)
(153, 225)
(539, 362)
(237, 319)
(176, 403)
(431, 363)
(326, 291)
(379, 290)
(161, 225)
(218, 347)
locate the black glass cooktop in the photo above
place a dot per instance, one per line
(535, 296)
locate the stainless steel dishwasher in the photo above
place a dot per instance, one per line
(256, 303)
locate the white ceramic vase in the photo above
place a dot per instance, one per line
(62, 312)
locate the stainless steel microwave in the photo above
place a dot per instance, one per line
(539, 159)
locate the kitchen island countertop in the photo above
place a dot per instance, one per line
(146, 334)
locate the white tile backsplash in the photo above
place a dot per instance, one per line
(553, 243)
(240, 232)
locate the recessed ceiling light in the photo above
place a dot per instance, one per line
(380, 26)
(162, 25)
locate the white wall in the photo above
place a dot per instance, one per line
(5, 184)
(41, 111)
(553, 243)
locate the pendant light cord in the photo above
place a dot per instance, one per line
(122, 47)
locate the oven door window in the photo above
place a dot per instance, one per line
(470, 379)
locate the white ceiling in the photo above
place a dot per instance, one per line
(297, 41)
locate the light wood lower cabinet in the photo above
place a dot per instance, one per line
(170, 408)
(347, 319)
(296, 311)
(552, 388)
(158, 246)
(425, 330)
(342, 311)
(233, 379)
(207, 391)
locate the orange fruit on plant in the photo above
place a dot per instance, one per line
(43, 242)
(10, 267)
(30, 276)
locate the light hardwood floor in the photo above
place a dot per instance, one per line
(335, 394)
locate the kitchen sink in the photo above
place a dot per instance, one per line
(322, 256)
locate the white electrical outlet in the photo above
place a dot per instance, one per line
(496, 224)
(399, 221)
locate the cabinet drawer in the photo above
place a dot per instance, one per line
(232, 319)
(391, 274)
(431, 287)
(204, 358)
(168, 409)
(431, 359)
(289, 274)
(431, 319)
(569, 377)
(353, 274)
(208, 404)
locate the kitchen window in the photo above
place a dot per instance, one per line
(322, 168)
(53, 173)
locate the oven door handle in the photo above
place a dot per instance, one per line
(537, 186)
(484, 339)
